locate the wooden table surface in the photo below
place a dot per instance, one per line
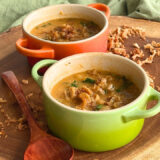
(145, 147)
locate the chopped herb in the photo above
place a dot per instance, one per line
(118, 89)
(125, 84)
(124, 78)
(43, 25)
(49, 23)
(83, 23)
(98, 107)
(89, 80)
(117, 76)
(105, 91)
(74, 84)
(90, 23)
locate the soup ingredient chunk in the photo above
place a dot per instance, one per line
(95, 90)
(65, 30)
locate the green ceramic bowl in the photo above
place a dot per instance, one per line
(96, 131)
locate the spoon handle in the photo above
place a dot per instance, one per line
(12, 82)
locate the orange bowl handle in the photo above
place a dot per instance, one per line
(44, 52)
(101, 7)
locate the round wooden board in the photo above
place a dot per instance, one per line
(144, 147)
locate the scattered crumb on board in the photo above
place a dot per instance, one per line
(20, 123)
(3, 100)
(116, 45)
(25, 81)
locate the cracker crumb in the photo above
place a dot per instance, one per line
(155, 44)
(120, 51)
(21, 122)
(136, 45)
(116, 45)
(3, 100)
(6, 136)
(21, 126)
(147, 60)
(158, 88)
(136, 53)
(2, 110)
(148, 46)
(29, 95)
(25, 81)
(151, 79)
(117, 37)
(2, 133)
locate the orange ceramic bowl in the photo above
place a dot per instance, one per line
(36, 48)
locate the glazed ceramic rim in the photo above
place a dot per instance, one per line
(72, 42)
(144, 90)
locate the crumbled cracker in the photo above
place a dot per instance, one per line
(2, 110)
(155, 44)
(21, 123)
(158, 88)
(22, 120)
(125, 33)
(21, 126)
(3, 100)
(25, 81)
(2, 133)
(29, 95)
(154, 47)
(148, 46)
(120, 51)
(147, 60)
(136, 45)
(5, 136)
(151, 79)
(136, 53)
(116, 45)
(117, 37)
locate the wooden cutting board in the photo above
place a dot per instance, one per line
(145, 147)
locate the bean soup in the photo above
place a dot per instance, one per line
(66, 29)
(95, 90)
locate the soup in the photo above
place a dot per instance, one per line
(95, 90)
(65, 30)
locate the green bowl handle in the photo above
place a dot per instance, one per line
(138, 113)
(39, 65)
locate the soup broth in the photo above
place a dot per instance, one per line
(95, 90)
(65, 30)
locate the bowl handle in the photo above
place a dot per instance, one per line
(38, 66)
(44, 52)
(137, 113)
(101, 7)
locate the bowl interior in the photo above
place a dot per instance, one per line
(97, 60)
(63, 11)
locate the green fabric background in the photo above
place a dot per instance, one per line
(12, 12)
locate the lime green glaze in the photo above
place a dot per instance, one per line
(39, 65)
(91, 132)
(97, 131)
(137, 113)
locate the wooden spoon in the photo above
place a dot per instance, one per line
(42, 145)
